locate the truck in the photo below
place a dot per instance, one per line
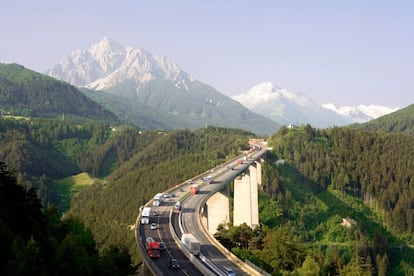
(194, 189)
(153, 248)
(191, 243)
(157, 199)
(146, 212)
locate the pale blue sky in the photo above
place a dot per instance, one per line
(346, 52)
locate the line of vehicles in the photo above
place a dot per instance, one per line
(187, 240)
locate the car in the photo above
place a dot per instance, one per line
(162, 246)
(153, 226)
(174, 264)
(229, 272)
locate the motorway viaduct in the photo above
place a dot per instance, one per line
(246, 202)
(202, 214)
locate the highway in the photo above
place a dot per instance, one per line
(211, 260)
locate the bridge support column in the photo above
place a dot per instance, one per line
(218, 210)
(246, 201)
(259, 173)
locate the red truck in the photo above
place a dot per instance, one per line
(153, 248)
(194, 189)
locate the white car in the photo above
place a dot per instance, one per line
(153, 226)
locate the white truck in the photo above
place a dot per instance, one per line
(157, 199)
(191, 243)
(146, 212)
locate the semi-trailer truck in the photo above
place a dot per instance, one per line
(153, 248)
(146, 212)
(191, 243)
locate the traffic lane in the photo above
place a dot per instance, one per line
(190, 223)
(163, 234)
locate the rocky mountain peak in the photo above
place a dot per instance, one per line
(106, 64)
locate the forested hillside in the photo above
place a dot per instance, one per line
(401, 121)
(34, 241)
(27, 93)
(171, 158)
(333, 201)
(364, 176)
(375, 167)
(129, 166)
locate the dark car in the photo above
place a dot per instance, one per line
(162, 246)
(174, 264)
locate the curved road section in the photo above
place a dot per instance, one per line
(170, 226)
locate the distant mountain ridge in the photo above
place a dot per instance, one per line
(159, 84)
(361, 113)
(286, 107)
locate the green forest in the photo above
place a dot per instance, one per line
(129, 166)
(331, 177)
(36, 241)
(340, 203)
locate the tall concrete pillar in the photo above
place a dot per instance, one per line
(246, 199)
(254, 196)
(218, 210)
(259, 173)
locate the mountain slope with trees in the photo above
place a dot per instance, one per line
(27, 93)
(339, 204)
(35, 241)
(350, 166)
(129, 166)
(400, 121)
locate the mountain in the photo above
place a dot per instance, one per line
(158, 83)
(28, 93)
(400, 121)
(286, 107)
(108, 64)
(361, 113)
(132, 112)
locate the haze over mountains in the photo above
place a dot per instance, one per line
(157, 82)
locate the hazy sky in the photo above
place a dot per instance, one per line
(345, 52)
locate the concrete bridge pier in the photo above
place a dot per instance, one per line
(217, 210)
(246, 200)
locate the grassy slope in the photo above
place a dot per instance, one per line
(70, 186)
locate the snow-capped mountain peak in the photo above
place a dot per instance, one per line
(266, 92)
(107, 64)
(361, 113)
(287, 107)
